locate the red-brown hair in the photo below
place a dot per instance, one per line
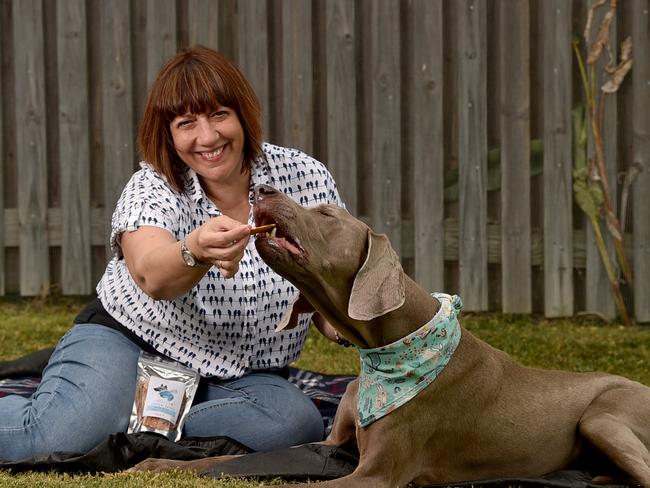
(196, 80)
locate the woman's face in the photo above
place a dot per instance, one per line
(212, 144)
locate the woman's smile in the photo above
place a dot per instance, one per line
(213, 155)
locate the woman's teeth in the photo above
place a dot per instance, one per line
(214, 154)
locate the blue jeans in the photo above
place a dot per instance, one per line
(87, 391)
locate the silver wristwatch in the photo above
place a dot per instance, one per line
(190, 259)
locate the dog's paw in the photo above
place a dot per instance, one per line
(613, 480)
(153, 464)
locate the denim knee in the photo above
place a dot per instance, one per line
(262, 411)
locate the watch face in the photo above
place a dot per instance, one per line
(189, 259)
(187, 256)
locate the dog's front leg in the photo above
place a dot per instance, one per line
(350, 481)
(196, 465)
(344, 428)
(615, 422)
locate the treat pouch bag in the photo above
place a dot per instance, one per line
(163, 396)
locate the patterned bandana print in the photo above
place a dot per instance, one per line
(392, 375)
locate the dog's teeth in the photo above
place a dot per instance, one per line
(273, 232)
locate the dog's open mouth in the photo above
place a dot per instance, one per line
(278, 237)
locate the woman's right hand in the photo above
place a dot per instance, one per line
(221, 241)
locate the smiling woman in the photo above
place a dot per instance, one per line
(186, 281)
(197, 81)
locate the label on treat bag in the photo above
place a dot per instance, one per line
(164, 399)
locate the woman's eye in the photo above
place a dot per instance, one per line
(219, 114)
(183, 123)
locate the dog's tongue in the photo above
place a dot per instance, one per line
(288, 245)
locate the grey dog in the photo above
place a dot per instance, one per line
(484, 417)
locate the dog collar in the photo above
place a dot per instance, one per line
(393, 374)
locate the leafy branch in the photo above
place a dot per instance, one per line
(590, 182)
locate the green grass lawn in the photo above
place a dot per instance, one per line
(579, 345)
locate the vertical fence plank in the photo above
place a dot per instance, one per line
(74, 148)
(228, 32)
(95, 98)
(472, 153)
(161, 35)
(364, 80)
(31, 156)
(253, 51)
(2, 164)
(140, 26)
(340, 80)
(295, 82)
(385, 119)
(598, 296)
(425, 126)
(558, 194)
(117, 100)
(641, 156)
(203, 17)
(10, 188)
(514, 66)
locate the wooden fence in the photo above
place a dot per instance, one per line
(427, 112)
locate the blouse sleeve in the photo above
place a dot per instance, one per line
(145, 200)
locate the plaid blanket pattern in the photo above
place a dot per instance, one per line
(23, 386)
(325, 391)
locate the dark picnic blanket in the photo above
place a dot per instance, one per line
(312, 461)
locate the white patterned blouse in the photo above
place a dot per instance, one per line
(221, 327)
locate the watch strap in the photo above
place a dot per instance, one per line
(197, 262)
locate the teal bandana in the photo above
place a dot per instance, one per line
(393, 374)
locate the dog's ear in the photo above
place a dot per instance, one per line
(290, 318)
(378, 287)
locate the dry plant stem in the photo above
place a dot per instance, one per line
(590, 90)
(630, 175)
(597, 121)
(611, 275)
(604, 183)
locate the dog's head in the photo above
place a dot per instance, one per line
(344, 269)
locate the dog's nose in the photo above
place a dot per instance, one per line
(262, 191)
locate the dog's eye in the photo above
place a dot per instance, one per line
(325, 211)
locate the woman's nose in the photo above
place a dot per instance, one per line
(207, 132)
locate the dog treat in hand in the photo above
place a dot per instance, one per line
(262, 228)
(163, 395)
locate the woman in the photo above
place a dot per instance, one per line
(185, 281)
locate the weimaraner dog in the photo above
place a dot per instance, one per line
(484, 416)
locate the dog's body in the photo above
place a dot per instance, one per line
(485, 416)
